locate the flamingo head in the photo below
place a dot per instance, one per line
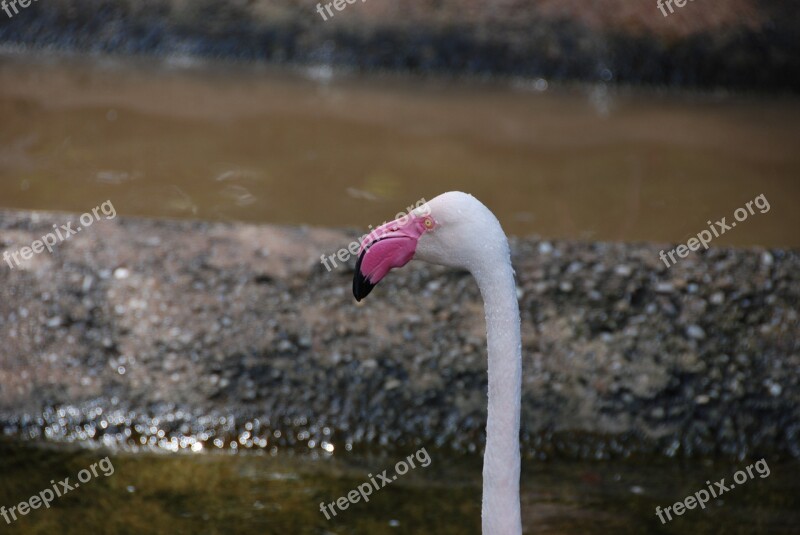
(392, 245)
(452, 229)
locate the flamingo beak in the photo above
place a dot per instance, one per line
(387, 247)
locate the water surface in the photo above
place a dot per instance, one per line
(182, 138)
(249, 143)
(248, 493)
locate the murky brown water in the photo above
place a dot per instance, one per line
(244, 493)
(255, 144)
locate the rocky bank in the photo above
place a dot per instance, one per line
(190, 334)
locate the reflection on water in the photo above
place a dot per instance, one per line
(243, 493)
(254, 144)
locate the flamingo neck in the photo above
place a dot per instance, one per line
(500, 512)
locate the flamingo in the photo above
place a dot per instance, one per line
(457, 230)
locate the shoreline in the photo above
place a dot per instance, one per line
(203, 329)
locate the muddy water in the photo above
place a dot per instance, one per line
(199, 140)
(249, 143)
(208, 493)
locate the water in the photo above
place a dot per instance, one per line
(197, 140)
(219, 142)
(248, 493)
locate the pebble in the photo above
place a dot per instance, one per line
(665, 287)
(623, 270)
(695, 332)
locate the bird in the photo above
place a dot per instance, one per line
(456, 230)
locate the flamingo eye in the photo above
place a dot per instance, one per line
(428, 223)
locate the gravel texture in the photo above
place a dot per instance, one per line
(181, 334)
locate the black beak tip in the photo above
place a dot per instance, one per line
(361, 285)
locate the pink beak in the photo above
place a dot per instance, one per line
(389, 246)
